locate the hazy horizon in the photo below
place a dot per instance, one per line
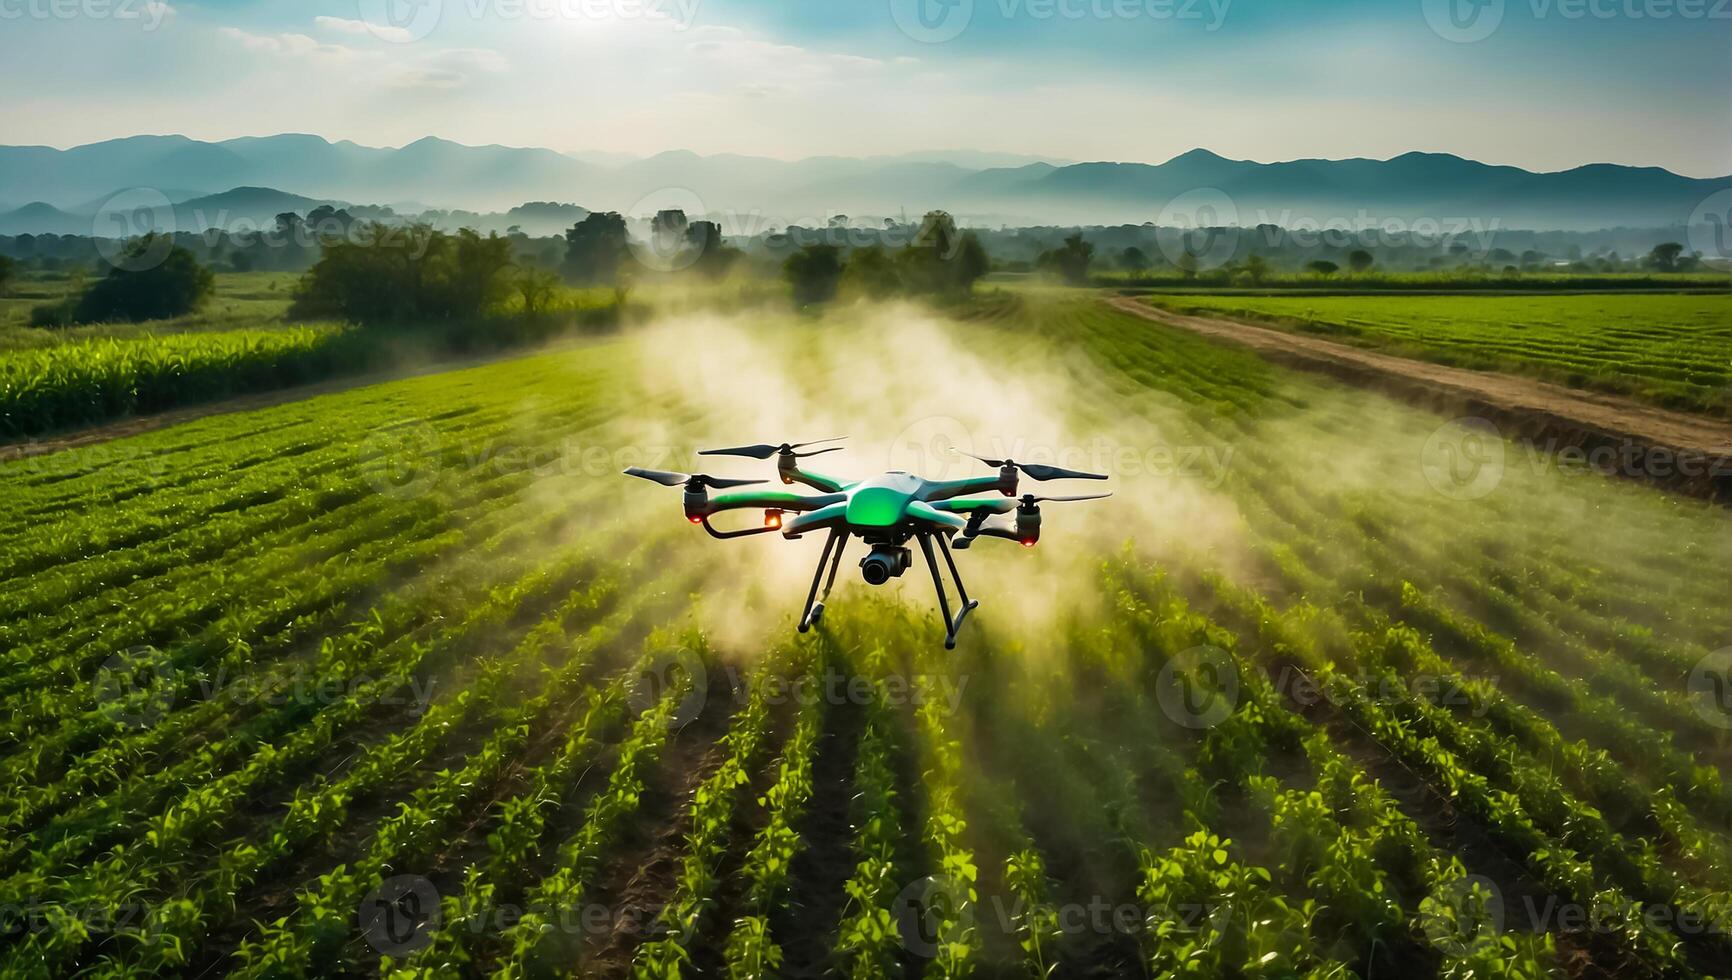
(613, 158)
(1545, 85)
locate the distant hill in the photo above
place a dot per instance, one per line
(1408, 188)
(750, 194)
(43, 219)
(256, 207)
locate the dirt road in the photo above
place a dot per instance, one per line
(1684, 452)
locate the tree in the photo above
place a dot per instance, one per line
(1071, 260)
(140, 286)
(594, 249)
(1256, 268)
(814, 272)
(926, 261)
(872, 273)
(1133, 259)
(8, 272)
(970, 264)
(1187, 264)
(1359, 260)
(1664, 257)
(537, 288)
(414, 275)
(476, 273)
(704, 246)
(1323, 268)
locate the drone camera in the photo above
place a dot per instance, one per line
(883, 564)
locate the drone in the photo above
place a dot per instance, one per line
(885, 513)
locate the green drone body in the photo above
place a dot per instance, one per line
(884, 512)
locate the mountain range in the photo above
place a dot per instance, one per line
(48, 189)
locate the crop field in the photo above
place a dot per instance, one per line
(242, 300)
(1675, 350)
(87, 381)
(407, 681)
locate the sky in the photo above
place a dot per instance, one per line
(1543, 84)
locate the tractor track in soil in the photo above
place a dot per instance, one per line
(1690, 454)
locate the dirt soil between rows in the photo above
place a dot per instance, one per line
(1687, 453)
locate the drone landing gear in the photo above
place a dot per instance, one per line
(951, 626)
(833, 556)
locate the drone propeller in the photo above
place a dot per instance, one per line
(1039, 471)
(691, 481)
(765, 451)
(1029, 499)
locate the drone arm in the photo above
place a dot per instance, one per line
(973, 505)
(790, 472)
(766, 499)
(922, 511)
(986, 529)
(936, 490)
(829, 516)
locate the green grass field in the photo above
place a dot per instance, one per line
(1675, 350)
(1299, 700)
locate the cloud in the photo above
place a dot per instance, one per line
(427, 78)
(288, 45)
(358, 28)
(470, 59)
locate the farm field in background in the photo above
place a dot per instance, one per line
(1305, 698)
(243, 300)
(1674, 350)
